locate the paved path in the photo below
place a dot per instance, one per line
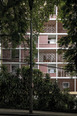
(13, 112)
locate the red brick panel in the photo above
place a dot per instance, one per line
(71, 82)
(43, 42)
(6, 55)
(60, 28)
(52, 75)
(43, 68)
(50, 27)
(24, 55)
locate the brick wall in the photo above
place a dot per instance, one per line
(71, 82)
(60, 28)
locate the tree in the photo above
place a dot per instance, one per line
(55, 99)
(42, 91)
(68, 15)
(15, 18)
(14, 92)
(17, 23)
(12, 21)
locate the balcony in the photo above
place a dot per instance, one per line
(46, 41)
(60, 58)
(47, 56)
(61, 71)
(47, 45)
(50, 27)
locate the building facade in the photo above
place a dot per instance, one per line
(47, 60)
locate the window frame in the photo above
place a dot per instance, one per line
(51, 38)
(64, 85)
(52, 68)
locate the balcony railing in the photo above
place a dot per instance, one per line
(49, 29)
(50, 57)
(62, 73)
(47, 45)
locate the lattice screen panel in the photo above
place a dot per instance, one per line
(50, 27)
(60, 58)
(47, 57)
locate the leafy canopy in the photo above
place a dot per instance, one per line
(68, 15)
(15, 18)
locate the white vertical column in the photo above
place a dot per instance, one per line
(75, 84)
(20, 56)
(56, 44)
(38, 52)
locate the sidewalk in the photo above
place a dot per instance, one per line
(11, 112)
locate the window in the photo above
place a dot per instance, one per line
(14, 67)
(51, 69)
(15, 53)
(51, 39)
(66, 85)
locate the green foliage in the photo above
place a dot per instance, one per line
(14, 92)
(68, 15)
(15, 18)
(12, 22)
(42, 89)
(69, 101)
(61, 101)
(55, 100)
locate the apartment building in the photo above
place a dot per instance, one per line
(48, 60)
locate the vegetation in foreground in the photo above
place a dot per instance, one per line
(68, 16)
(14, 92)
